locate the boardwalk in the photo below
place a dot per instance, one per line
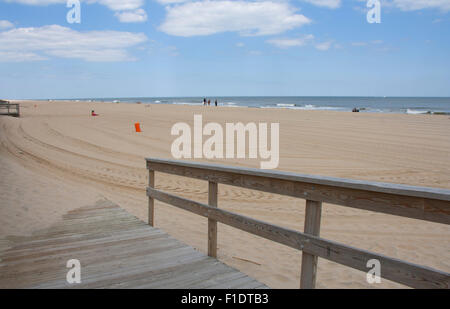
(116, 250)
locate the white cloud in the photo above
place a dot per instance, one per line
(305, 40)
(409, 5)
(127, 7)
(246, 18)
(31, 44)
(17, 56)
(331, 4)
(240, 44)
(4, 24)
(37, 2)
(377, 45)
(291, 42)
(121, 5)
(172, 50)
(324, 45)
(137, 16)
(115, 5)
(93, 55)
(172, 1)
(360, 44)
(414, 5)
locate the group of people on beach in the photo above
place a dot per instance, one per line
(208, 103)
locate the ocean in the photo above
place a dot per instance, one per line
(409, 105)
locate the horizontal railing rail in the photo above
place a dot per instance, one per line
(413, 202)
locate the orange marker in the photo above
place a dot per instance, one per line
(137, 125)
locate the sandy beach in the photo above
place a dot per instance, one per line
(56, 157)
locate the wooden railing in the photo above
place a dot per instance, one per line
(10, 109)
(412, 202)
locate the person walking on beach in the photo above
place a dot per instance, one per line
(204, 102)
(209, 102)
(215, 103)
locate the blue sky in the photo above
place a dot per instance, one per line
(140, 48)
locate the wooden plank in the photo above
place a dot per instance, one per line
(422, 203)
(425, 192)
(133, 256)
(130, 268)
(14, 257)
(97, 274)
(219, 279)
(136, 278)
(249, 283)
(94, 258)
(189, 275)
(41, 240)
(238, 283)
(151, 202)
(26, 249)
(313, 215)
(393, 269)
(98, 262)
(149, 272)
(212, 224)
(102, 248)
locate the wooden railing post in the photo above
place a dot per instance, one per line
(309, 262)
(212, 224)
(151, 201)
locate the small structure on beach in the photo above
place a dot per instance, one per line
(8, 109)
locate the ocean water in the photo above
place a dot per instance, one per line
(409, 105)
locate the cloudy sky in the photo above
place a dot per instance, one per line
(132, 48)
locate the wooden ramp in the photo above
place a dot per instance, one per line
(116, 250)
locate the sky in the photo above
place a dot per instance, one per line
(156, 48)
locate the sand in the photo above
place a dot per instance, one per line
(56, 158)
